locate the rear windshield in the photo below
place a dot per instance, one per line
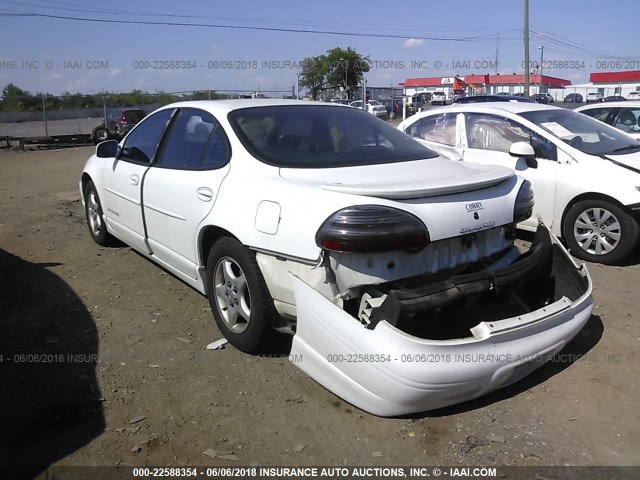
(133, 116)
(316, 136)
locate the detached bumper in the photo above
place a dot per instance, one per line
(388, 372)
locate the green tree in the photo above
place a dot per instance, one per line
(14, 98)
(314, 74)
(345, 69)
(338, 68)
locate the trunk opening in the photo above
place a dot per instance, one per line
(452, 303)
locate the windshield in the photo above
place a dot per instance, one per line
(316, 136)
(583, 132)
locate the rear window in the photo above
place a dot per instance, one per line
(133, 116)
(315, 136)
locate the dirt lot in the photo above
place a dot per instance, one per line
(156, 396)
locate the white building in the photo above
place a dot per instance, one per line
(609, 84)
(490, 84)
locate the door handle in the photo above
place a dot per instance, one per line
(205, 194)
(135, 179)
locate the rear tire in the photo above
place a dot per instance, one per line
(599, 231)
(240, 301)
(100, 134)
(95, 219)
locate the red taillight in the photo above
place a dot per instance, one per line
(123, 119)
(372, 228)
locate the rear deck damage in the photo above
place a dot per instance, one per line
(434, 340)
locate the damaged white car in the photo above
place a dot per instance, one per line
(395, 269)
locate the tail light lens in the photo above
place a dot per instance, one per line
(524, 202)
(123, 119)
(372, 228)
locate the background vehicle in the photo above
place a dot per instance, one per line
(119, 122)
(595, 97)
(614, 98)
(584, 172)
(374, 107)
(540, 98)
(438, 98)
(573, 98)
(394, 107)
(416, 103)
(550, 97)
(459, 93)
(624, 116)
(633, 95)
(353, 271)
(493, 98)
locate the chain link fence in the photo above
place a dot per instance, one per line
(45, 115)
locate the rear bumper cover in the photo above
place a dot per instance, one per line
(388, 372)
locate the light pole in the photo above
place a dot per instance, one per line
(526, 48)
(541, 47)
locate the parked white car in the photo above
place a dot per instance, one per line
(624, 115)
(374, 107)
(633, 95)
(586, 174)
(439, 98)
(395, 268)
(595, 97)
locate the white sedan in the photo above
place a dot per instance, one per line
(374, 107)
(394, 268)
(586, 174)
(624, 116)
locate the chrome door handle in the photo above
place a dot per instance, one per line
(205, 194)
(135, 179)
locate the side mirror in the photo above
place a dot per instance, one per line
(520, 149)
(107, 149)
(526, 151)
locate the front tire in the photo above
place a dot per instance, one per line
(100, 134)
(599, 231)
(95, 219)
(240, 301)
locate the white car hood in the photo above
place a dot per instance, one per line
(631, 160)
(417, 179)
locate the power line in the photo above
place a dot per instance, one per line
(558, 40)
(96, 10)
(247, 27)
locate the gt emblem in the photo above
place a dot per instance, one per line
(475, 215)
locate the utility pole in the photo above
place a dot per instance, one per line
(497, 50)
(526, 48)
(44, 113)
(540, 69)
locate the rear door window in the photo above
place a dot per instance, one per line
(195, 141)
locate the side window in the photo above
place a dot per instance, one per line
(490, 132)
(598, 113)
(217, 153)
(195, 141)
(628, 120)
(141, 144)
(437, 128)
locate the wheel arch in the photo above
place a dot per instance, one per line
(207, 236)
(587, 196)
(85, 179)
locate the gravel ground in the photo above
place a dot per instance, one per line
(128, 381)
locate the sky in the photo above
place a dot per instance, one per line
(423, 39)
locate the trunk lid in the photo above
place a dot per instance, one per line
(407, 180)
